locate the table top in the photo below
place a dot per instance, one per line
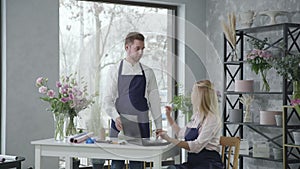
(51, 141)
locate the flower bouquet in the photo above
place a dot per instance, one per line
(259, 60)
(65, 104)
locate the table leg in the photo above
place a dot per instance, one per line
(69, 162)
(157, 162)
(18, 166)
(37, 160)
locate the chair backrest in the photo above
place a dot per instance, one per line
(227, 144)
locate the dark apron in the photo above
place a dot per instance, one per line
(205, 159)
(132, 101)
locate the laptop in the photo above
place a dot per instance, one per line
(132, 133)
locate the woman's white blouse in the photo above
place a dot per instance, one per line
(209, 133)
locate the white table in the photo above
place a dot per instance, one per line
(50, 147)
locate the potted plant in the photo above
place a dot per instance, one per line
(289, 67)
(183, 103)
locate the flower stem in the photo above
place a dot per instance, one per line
(266, 85)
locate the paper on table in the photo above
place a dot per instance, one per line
(83, 137)
(7, 157)
(72, 138)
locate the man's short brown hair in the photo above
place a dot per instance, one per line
(134, 36)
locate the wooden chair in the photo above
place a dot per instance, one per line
(227, 144)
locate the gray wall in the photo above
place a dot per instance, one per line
(32, 51)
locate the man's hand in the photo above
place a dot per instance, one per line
(163, 135)
(118, 124)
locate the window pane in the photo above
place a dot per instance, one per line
(92, 39)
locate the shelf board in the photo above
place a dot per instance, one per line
(267, 28)
(271, 158)
(252, 124)
(234, 62)
(291, 145)
(254, 93)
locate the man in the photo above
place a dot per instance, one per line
(132, 90)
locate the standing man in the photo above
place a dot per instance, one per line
(132, 90)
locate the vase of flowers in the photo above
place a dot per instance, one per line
(289, 67)
(65, 104)
(259, 59)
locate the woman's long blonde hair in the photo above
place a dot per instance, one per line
(204, 99)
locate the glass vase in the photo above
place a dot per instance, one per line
(233, 55)
(59, 122)
(296, 94)
(265, 86)
(70, 126)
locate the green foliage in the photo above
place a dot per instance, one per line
(288, 66)
(258, 44)
(183, 103)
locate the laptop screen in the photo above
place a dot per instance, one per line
(130, 125)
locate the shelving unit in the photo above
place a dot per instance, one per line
(234, 70)
(291, 152)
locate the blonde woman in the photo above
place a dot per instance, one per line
(200, 137)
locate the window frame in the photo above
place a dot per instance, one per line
(173, 81)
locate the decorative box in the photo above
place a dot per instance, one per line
(268, 117)
(261, 149)
(244, 147)
(243, 85)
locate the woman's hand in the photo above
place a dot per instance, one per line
(168, 111)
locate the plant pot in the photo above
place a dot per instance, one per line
(235, 115)
(244, 85)
(268, 117)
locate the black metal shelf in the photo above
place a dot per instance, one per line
(267, 28)
(234, 70)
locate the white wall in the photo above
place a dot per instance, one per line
(32, 47)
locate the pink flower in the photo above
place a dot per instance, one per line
(43, 89)
(64, 99)
(295, 102)
(39, 81)
(71, 96)
(58, 84)
(51, 93)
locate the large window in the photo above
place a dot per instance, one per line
(92, 39)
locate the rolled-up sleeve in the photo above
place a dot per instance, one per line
(154, 99)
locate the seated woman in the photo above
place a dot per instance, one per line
(200, 137)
